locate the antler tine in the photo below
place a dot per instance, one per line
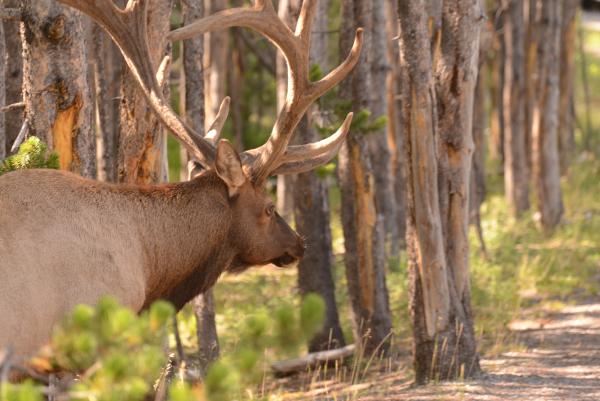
(214, 131)
(270, 157)
(128, 29)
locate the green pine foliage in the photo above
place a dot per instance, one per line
(119, 355)
(33, 153)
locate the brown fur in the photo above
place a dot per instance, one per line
(65, 240)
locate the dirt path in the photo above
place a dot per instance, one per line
(560, 362)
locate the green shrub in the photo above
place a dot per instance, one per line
(33, 153)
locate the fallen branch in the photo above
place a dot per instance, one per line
(21, 137)
(290, 366)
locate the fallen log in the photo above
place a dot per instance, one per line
(290, 366)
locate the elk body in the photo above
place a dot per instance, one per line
(65, 240)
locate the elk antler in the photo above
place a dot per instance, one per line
(128, 29)
(275, 157)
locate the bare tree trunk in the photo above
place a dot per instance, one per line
(58, 101)
(142, 136)
(516, 178)
(377, 141)
(311, 210)
(13, 76)
(395, 136)
(546, 161)
(363, 231)
(193, 52)
(107, 70)
(438, 181)
(477, 185)
(216, 47)
(566, 131)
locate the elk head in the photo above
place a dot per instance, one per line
(261, 234)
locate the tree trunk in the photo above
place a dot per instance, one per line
(546, 161)
(516, 178)
(142, 137)
(566, 131)
(438, 120)
(395, 137)
(311, 210)
(363, 231)
(377, 141)
(58, 101)
(13, 75)
(107, 66)
(193, 52)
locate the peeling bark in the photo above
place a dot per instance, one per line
(58, 102)
(438, 118)
(363, 231)
(142, 136)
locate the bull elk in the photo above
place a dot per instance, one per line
(66, 240)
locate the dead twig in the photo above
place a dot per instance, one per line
(11, 107)
(21, 137)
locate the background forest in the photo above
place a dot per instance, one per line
(459, 223)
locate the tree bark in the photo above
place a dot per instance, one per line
(395, 136)
(311, 210)
(58, 101)
(546, 161)
(438, 119)
(13, 76)
(377, 141)
(363, 231)
(566, 129)
(142, 137)
(107, 66)
(193, 52)
(516, 178)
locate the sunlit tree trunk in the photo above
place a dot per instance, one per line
(546, 161)
(143, 139)
(363, 231)
(194, 104)
(566, 131)
(58, 101)
(311, 211)
(13, 76)
(438, 118)
(516, 178)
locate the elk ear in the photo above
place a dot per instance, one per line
(229, 166)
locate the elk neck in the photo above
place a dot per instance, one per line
(185, 238)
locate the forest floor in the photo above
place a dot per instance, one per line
(555, 357)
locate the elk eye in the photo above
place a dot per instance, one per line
(270, 210)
